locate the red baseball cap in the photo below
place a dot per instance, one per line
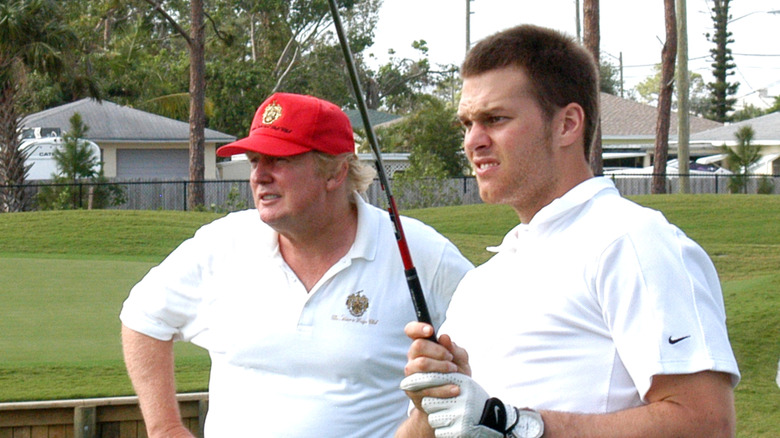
(291, 124)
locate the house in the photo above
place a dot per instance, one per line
(134, 144)
(628, 132)
(767, 137)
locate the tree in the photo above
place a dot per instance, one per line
(668, 55)
(75, 162)
(78, 167)
(740, 158)
(254, 48)
(721, 102)
(775, 106)
(434, 138)
(609, 79)
(196, 42)
(400, 82)
(648, 90)
(32, 38)
(75, 159)
(748, 112)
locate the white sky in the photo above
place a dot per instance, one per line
(634, 28)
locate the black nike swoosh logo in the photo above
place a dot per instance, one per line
(674, 341)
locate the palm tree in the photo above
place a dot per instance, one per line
(32, 37)
(739, 159)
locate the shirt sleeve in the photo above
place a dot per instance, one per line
(164, 304)
(662, 302)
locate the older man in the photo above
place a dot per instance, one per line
(301, 302)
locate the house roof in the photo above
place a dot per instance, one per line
(377, 118)
(108, 121)
(766, 127)
(623, 118)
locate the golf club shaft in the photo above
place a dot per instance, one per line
(413, 281)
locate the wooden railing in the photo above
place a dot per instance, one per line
(116, 417)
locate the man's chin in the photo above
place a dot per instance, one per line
(489, 196)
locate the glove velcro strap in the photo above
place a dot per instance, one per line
(494, 416)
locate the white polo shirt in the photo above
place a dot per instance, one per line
(581, 307)
(287, 362)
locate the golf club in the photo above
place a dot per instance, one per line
(412, 280)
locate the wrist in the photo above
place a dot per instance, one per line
(528, 424)
(175, 430)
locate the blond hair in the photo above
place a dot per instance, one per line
(359, 176)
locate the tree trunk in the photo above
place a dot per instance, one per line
(13, 170)
(196, 196)
(592, 39)
(668, 55)
(196, 40)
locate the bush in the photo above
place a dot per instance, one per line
(765, 186)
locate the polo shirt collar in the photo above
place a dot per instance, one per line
(367, 234)
(558, 210)
(577, 196)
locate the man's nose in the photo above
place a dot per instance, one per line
(475, 137)
(261, 171)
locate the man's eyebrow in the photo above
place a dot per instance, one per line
(480, 114)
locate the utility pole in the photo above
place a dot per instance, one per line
(620, 60)
(577, 17)
(468, 24)
(683, 90)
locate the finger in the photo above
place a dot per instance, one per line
(447, 391)
(428, 365)
(426, 348)
(439, 392)
(460, 355)
(436, 419)
(427, 356)
(420, 381)
(418, 330)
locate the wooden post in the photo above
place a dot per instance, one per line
(85, 422)
(203, 408)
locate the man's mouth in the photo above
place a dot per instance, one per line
(485, 166)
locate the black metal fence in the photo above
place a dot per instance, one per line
(221, 195)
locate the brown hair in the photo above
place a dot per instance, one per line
(560, 70)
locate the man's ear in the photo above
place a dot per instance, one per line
(571, 126)
(339, 175)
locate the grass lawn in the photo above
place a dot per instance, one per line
(64, 275)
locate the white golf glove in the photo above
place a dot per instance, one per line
(471, 414)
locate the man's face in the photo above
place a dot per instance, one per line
(289, 192)
(507, 140)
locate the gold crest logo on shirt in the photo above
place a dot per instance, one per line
(272, 113)
(357, 304)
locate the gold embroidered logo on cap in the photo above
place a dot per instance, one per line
(357, 304)
(272, 113)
